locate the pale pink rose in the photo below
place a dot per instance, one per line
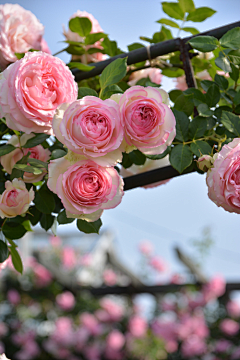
(190, 325)
(38, 152)
(91, 127)
(154, 75)
(85, 188)
(109, 277)
(43, 277)
(91, 323)
(158, 264)
(75, 37)
(69, 258)
(229, 327)
(233, 308)
(32, 88)
(146, 248)
(149, 124)
(215, 288)
(16, 199)
(44, 47)
(137, 326)
(115, 311)
(66, 301)
(193, 346)
(63, 334)
(13, 297)
(20, 31)
(224, 177)
(181, 83)
(115, 340)
(3, 357)
(147, 166)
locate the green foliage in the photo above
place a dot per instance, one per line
(46, 221)
(6, 149)
(80, 25)
(36, 140)
(200, 14)
(160, 156)
(212, 95)
(89, 227)
(185, 104)
(80, 66)
(113, 73)
(173, 10)
(231, 39)
(44, 200)
(92, 38)
(109, 90)
(137, 157)
(63, 219)
(16, 259)
(204, 43)
(231, 122)
(200, 147)
(180, 157)
(197, 127)
(169, 23)
(182, 125)
(4, 253)
(13, 230)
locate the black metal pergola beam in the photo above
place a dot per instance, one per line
(155, 50)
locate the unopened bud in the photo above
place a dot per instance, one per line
(205, 162)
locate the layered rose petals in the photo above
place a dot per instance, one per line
(223, 179)
(91, 127)
(32, 88)
(15, 200)
(148, 122)
(85, 188)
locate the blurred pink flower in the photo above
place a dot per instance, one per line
(158, 264)
(214, 288)
(109, 277)
(42, 276)
(13, 297)
(223, 345)
(137, 326)
(229, 327)
(55, 241)
(114, 311)
(69, 258)
(115, 340)
(193, 346)
(146, 247)
(233, 309)
(154, 75)
(91, 323)
(66, 301)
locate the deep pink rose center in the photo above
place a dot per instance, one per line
(11, 199)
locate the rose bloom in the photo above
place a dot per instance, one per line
(229, 327)
(37, 152)
(91, 127)
(181, 83)
(154, 75)
(15, 200)
(115, 340)
(147, 166)
(193, 346)
(20, 31)
(85, 188)
(32, 88)
(137, 326)
(96, 28)
(223, 178)
(66, 301)
(149, 124)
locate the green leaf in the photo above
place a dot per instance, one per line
(63, 219)
(92, 38)
(27, 168)
(182, 124)
(38, 163)
(80, 66)
(110, 47)
(13, 230)
(221, 81)
(94, 50)
(135, 46)
(58, 153)
(231, 39)
(137, 157)
(200, 147)
(169, 23)
(85, 91)
(197, 127)
(75, 50)
(184, 103)
(236, 99)
(231, 122)
(126, 161)
(16, 174)
(180, 157)
(36, 140)
(19, 55)
(204, 110)
(204, 43)
(159, 156)
(34, 215)
(192, 30)
(213, 95)
(187, 5)
(46, 221)
(89, 227)
(27, 225)
(3, 251)
(172, 72)
(6, 149)
(198, 96)
(80, 25)
(109, 90)
(16, 260)
(223, 63)
(44, 201)
(113, 73)
(174, 94)
(173, 10)
(200, 14)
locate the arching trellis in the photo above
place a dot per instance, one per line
(143, 54)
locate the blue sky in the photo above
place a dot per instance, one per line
(174, 213)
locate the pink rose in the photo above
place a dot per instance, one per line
(32, 88)
(233, 308)
(109, 277)
(96, 28)
(193, 346)
(158, 264)
(66, 301)
(115, 340)
(154, 75)
(42, 275)
(13, 297)
(85, 188)
(38, 152)
(146, 248)
(20, 31)
(15, 200)
(224, 177)
(137, 326)
(149, 124)
(214, 288)
(229, 327)
(181, 83)
(90, 323)
(91, 127)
